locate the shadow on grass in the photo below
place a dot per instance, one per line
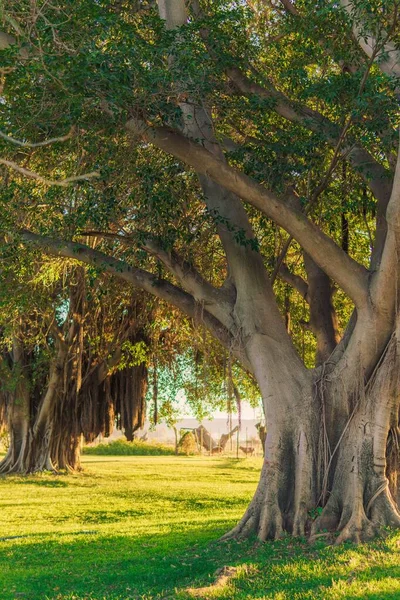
(375, 596)
(241, 463)
(163, 565)
(111, 567)
(52, 483)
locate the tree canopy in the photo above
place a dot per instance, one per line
(238, 162)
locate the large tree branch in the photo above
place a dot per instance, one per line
(295, 281)
(218, 301)
(374, 174)
(375, 324)
(350, 275)
(47, 142)
(388, 55)
(142, 279)
(385, 281)
(60, 182)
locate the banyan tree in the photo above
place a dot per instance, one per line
(66, 386)
(242, 144)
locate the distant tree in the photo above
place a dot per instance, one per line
(170, 414)
(66, 374)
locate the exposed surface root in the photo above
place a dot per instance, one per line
(301, 522)
(285, 492)
(24, 461)
(271, 524)
(358, 529)
(246, 526)
(263, 516)
(355, 522)
(383, 511)
(224, 575)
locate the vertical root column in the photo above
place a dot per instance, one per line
(15, 459)
(304, 489)
(271, 521)
(264, 516)
(285, 493)
(360, 502)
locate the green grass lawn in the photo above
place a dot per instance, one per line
(147, 527)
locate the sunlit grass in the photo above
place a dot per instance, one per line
(148, 527)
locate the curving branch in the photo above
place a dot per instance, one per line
(144, 280)
(59, 182)
(295, 281)
(374, 174)
(348, 274)
(48, 142)
(385, 281)
(218, 301)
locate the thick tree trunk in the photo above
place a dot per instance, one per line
(341, 454)
(32, 419)
(287, 490)
(18, 427)
(364, 493)
(66, 451)
(288, 487)
(29, 450)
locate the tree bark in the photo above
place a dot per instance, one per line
(347, 465)
(30, 422)
(323, 320)
(364, 492)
